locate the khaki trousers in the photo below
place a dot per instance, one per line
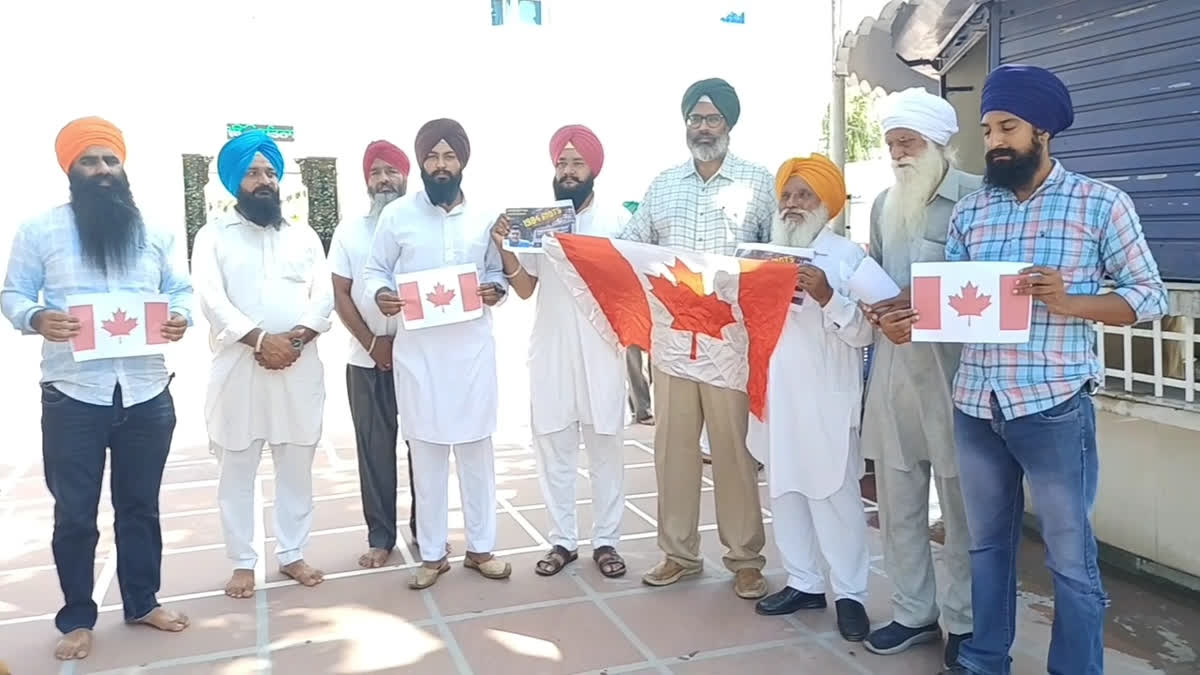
(683, 407)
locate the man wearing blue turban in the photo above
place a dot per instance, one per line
(1025, 410)
(265, 289)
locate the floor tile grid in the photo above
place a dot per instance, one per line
(263, 649)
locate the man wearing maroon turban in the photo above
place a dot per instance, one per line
(369, 372)
(576, 379)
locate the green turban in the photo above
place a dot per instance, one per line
(722, 94)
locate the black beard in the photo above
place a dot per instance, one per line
(442, 194)
(107, 220)
(260, 208)
(578, 194)
(1018, 171)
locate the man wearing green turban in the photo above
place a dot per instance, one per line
(709, 204)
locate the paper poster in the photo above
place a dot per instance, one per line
(797, 256)
(773, 253)
(439, 297)
(529, 226)
(117, 325)
(870, 284)
(969, 302)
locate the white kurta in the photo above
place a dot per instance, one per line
(347, 257)
(249, 277)
(575, 376)
(446, 386)
(814, 392)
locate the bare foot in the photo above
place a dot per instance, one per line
(241, 584)
(165, 619)
(74, 645)
(301, 571)
(375, 557)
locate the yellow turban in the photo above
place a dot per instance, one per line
(822, 176)
(83, 133)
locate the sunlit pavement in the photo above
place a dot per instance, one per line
(368, 621)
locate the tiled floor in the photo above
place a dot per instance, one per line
(368, 621)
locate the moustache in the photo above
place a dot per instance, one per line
(993, 155)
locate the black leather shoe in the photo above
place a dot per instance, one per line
(852, 620)
(953, 642)
(789, 600)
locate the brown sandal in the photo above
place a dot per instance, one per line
(609, 561)
(554, 561)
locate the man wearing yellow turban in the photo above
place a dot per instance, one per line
(99, 244)
(809, 439)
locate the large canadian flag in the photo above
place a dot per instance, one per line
(709, 318)
(116, 325)
(438, 297)
(969, 302)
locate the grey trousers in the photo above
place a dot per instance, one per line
(639, 386)
(373, 410)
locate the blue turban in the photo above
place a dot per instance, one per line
(238, 153)
(1034, 94)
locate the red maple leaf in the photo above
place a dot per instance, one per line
(692, 310)
(119, 325)
(440, 296)
(970, 303)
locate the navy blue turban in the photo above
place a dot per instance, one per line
(1034, 94)
(238, 153)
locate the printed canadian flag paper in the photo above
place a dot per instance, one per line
(439, 296)
(116, 325)
(969, 302)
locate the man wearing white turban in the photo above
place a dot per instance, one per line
(908, 425)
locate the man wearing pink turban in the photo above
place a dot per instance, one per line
(576, 379)
(369, 371)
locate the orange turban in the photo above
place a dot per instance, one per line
(83, 133)
(822, 176)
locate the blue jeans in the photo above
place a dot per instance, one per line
(1056, 450)
(75, 436)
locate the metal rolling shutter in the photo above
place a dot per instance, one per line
(1133, 67)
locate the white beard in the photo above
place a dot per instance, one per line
(711, 153)
(380, 200)
(916, 180)
(799, 234)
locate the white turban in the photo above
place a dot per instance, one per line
(931, 116)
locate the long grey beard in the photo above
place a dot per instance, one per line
(904, 206)
(799, 235)
(711, 153)
(380, 200)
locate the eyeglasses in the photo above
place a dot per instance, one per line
(711, 121)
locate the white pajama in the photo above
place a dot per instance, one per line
(476, 486)
(293, 500)
(833, 529)
(558, 461)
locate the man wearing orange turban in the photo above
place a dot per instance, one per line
(99, 244)
(570, 363)
(811, 451)
(369, 371)
(84, 133)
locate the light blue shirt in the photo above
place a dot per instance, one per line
(46, 265)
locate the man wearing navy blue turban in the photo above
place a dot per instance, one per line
(1025, 410)
(265, 289)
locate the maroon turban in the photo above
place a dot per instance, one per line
(585, 142)
(439, 130)
(388, 153)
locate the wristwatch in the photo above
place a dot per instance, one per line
(298, 344)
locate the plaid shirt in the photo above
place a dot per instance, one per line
(46, 265)
(1089, 231)
(683, 211)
